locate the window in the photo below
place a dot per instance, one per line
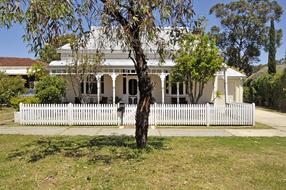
(132, 87)
(102, 85)
(91, 86)
(124, 85)
(173, 88)
(167, 84)
(82, 87)
(181, 88)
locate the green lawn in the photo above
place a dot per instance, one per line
(34, 162)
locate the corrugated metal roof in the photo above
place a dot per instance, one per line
(151, 63)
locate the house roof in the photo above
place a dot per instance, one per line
(16, 62)
(16, 65)
(98, 37)
(231, 73)
(117, 63)
(127, 63)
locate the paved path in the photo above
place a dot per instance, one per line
(65, 131)
(271, 118)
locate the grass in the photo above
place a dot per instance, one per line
(6, 115)
(34, 162)
(257, 126)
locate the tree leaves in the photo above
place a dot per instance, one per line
(244, 30)
(197, 60)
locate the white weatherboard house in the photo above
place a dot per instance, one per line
(118, 81)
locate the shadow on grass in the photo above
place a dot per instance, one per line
(94, 149)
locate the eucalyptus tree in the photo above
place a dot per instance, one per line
(132, 23)
(244, 31)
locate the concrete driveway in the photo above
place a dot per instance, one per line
(271, 118)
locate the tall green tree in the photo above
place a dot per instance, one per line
(197, 60)
(243, 32)
(272, 49)
(134, 23)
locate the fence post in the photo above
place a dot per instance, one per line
(20, 111)
(70, 114)
(154, 114)
(117, 115)
(253, 114)
(208, 115)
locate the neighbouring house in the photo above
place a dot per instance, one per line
(117, 80)
(15, 66)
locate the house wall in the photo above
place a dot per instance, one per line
(70, 94)
(107, 87)
(119, 87)
(208, 91)
(234, 90)
(157, 90)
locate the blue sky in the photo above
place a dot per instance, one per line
(12, 45)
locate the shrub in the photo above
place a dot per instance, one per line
(50, 89)
(267, 90)
(10, 87)
(15, 101)
(37, 71)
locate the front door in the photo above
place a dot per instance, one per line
(132, 91)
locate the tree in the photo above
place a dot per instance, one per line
(243, 31)
(10, 87)
(50, 89)
(197, 60)
(79, 71)
(134, 23)
(37, 71)
(49, 52)
(272, 50)
(81, 66)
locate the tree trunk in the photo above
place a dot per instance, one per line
(194, 93)
(143, 107)
(145, 95)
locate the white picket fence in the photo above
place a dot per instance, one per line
(160, 114)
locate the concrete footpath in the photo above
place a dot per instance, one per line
(274, 119)
(166, 132)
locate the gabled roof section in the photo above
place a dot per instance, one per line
(231, 73)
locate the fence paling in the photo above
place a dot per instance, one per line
(160, 114)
